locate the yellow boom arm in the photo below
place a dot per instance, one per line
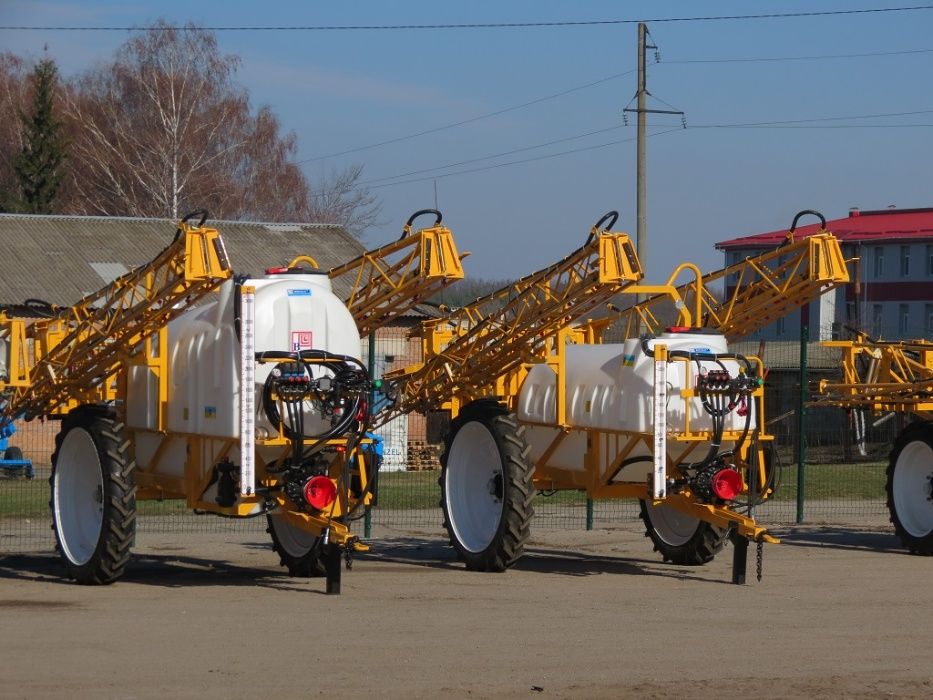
(882, 376)
(475, 345)
(53, 363)
(390, 280)
(758, 290)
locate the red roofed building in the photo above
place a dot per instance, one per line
(891, 292)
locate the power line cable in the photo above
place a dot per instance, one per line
(519, 162)
(471, 120)
(494, 155)
(789, 123)
(599, 82)
(777, 59)
(812, 120)
(810, 126)
(477, 25)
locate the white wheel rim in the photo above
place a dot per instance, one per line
(911, 488)
(78, 496)
(295, 541)
(473, 487)
(672, 526)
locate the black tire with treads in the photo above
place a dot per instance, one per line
(299, 551)
(909, 487)
(486, 487)
(93, 496)
(678, 538)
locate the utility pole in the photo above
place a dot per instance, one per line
(641, 175)
(641, 205)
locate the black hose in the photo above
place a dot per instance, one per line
(611, 217)
(354, 380)
(421, 212)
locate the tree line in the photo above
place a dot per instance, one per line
(161, 129)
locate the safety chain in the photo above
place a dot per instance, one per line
(760, 557)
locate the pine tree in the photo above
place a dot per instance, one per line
(38, 166)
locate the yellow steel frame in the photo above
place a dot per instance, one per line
(882, 376)
(487, 348)
(758, 290)
(606, 451)
(198, 472)
(82, 355)
(475, 347)
(75, 355)
(389, 281)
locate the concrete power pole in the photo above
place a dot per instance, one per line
(641, 205)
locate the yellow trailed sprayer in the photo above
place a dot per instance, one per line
(529, 398)
(894, 376)
(242, 396)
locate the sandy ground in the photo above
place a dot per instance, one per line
(839, 613)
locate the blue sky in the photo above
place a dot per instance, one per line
(340, 90)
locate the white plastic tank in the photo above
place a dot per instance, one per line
(294, 310)
(611, 387)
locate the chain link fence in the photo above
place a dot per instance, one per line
(843, 481)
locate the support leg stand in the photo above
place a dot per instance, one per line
(739, 559)
(332, 564)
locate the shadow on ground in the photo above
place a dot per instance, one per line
(163, 570)
(177, 569)
(843, 538)
(434, 554)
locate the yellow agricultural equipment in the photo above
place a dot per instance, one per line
(671, 418)
(241, 396)
(895, 376)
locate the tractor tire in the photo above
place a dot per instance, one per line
(299, 551)
(910, 488)
(486, 487)
(93, 496)
(681, 538)
(13, 454)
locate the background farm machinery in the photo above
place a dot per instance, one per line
(527, 397)
(242, 396)
(885, 377)
(148, 372)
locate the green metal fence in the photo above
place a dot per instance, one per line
(843, 479)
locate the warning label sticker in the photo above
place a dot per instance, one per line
(301, 340)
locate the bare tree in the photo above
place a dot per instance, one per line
(339, 200)
(154, 125)
(13, 99)
(164, 129)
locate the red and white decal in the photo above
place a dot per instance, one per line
(301, 340)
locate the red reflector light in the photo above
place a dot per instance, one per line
(276, 270)
(679, 329)
(727, 484)
(320, 492)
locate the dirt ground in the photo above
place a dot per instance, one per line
(839, 613)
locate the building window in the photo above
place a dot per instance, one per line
(876, 316)
(930, 261)
(928, 315)
(905, 261)
(879, 261)
(903, 319)
(779, 327)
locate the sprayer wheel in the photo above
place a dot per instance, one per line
(298, 549)
(910, 487)
(681, 538)
(486, 487)
(93, 496)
